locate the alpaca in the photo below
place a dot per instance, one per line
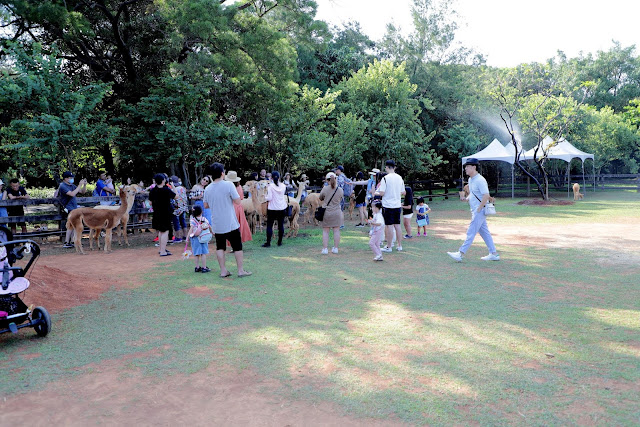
(97, 219)
(313, 201)
(95, 233)
(255, 207)
(577, 195)
(352, 205)
(294, 227)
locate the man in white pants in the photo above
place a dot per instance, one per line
(477, 198)
(391, 189)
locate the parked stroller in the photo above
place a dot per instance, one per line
(14, 314)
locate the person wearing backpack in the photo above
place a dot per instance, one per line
(199, 235)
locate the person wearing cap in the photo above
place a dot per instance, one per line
(245, 230)
(220, 196)
(103, 189)
(67, 192)
(180, 208)
(347, 187)
(276, 209)
(331, 195)
(478, 197)
(304, 179)
(391, 189)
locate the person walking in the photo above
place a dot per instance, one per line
(391, 189)
(333, 216)
(276, 208)
(360, 191)
(220, 196)
(477, 198)
(377, 229)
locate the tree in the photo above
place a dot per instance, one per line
(541, 114)
(53, 123)
(382, 95)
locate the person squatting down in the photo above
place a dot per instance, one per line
(477, 198)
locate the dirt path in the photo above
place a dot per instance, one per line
(113, 394)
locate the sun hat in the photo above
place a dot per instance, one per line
(232, 176)
(303, 176)
(330, 175)
(471, 161)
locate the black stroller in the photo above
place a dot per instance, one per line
(14, 314)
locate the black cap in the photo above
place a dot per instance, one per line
(175, 179)
(471, 161)
(67, 174)
(341, 168)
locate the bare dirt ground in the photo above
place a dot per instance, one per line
(111, 393)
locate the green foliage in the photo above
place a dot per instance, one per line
(382, 95)
(54, 123)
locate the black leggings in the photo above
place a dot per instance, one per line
(272, 216)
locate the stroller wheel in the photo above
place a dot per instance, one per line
(41, 316)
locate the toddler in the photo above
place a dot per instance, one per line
(377, 229)
(422, 216)
(200, 249)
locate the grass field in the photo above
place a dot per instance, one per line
(547, 336)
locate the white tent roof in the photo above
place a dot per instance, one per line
(562, 150)
(493, 151)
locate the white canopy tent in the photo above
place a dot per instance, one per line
(495, 151)
(562, 150)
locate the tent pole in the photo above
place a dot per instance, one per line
(568, 179)
(593, 164)
(584, 185)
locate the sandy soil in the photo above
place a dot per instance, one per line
(113, 394)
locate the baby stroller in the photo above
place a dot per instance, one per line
(14, 314)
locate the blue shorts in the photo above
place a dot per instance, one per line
(199, 248)
(359, 205)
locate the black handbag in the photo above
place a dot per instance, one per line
(321, 210)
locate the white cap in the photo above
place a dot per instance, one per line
(330, 175)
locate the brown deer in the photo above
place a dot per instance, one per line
(97, 219)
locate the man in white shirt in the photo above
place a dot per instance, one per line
(477, 198)
(391, 189)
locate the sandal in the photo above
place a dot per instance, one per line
(167, 254)
(245, 274)
(226, 275)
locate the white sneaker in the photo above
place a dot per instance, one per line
(325, 251)
(378, 258)
(456, 256)
(386, 249)
(399, 248)
(491, 257)
(334, 250)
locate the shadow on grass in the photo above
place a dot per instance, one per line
(416, 337)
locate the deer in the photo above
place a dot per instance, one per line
(98, 219)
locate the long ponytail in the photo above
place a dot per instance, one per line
(275, 175)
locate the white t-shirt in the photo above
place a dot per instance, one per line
(393, 186)
(378, 219)
(477, 188)
(220, 196)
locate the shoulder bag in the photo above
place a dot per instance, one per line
(321, 209)
(489, 208)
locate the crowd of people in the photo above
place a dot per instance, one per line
(212, 211)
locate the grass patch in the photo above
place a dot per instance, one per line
(418, 338)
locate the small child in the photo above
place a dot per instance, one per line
(377, 229)
(200, 250)
(422, 216)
